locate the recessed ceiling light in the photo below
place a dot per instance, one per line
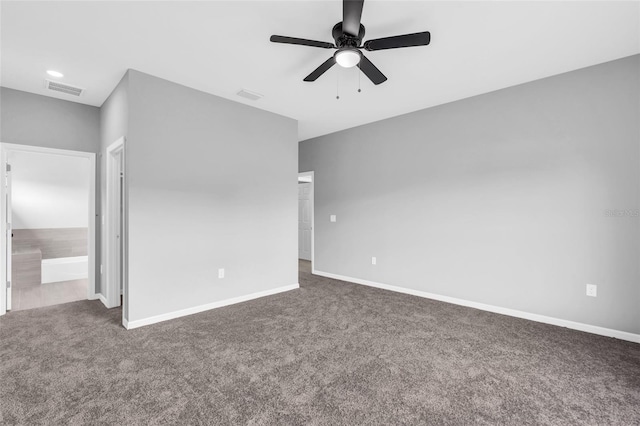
(56, 74)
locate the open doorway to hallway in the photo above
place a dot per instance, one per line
(48, 222)
(305, 221)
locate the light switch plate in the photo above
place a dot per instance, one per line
(374, 261)
(592, 290)
(332, 218)
(221, 273)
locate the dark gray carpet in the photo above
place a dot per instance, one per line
(329, 353)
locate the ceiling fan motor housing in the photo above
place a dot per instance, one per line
(346, 40)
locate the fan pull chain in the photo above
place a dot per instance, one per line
(338, 85)
(359, 75)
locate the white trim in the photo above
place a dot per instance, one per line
(64, 269)
(63, 260)
(91, 238)
(8, 234)
(5, 148)
(4, 267)
(313, 213)
(114, 272)
(197, 309)
(44, 150)
(602, 331)
(103, 300)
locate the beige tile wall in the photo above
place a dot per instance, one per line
(53, 242)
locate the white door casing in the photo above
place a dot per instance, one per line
(304, 221)
(4, 254)
(116, 230)
(5, 213)
(9, 227)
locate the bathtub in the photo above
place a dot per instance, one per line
(65, 269)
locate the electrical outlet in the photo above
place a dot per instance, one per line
(221, 273)
(374, 261)
(332, 218)
(592, 290)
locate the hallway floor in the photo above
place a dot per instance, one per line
(304, 266)
(48, 294)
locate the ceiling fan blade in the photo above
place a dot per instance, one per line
(351, 14)
(321, 69)
(371, 71)
(301, 41)
(407, 40)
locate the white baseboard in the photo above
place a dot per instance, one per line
(103, 300)
(93, 296)
(196, 309)
(602, 331)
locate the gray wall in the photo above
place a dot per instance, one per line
(212, 184)
(36, 120)
(114, 124)
(500, 199)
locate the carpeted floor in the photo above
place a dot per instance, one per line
(329, 353)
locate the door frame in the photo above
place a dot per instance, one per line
(313, 215)
(116, 272)
(5, 150)
(8, 242)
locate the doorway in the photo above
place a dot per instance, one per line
(116, 229)
(305, 221)
(48, 227)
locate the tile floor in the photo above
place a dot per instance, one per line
(48, 294)
(304, 266)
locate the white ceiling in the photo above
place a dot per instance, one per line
(221, 47)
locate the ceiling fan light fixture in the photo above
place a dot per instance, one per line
(348, 58)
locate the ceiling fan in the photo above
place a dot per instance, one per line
(348, 36)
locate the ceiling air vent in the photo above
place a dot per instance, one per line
(249, 94)
(64, 88)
